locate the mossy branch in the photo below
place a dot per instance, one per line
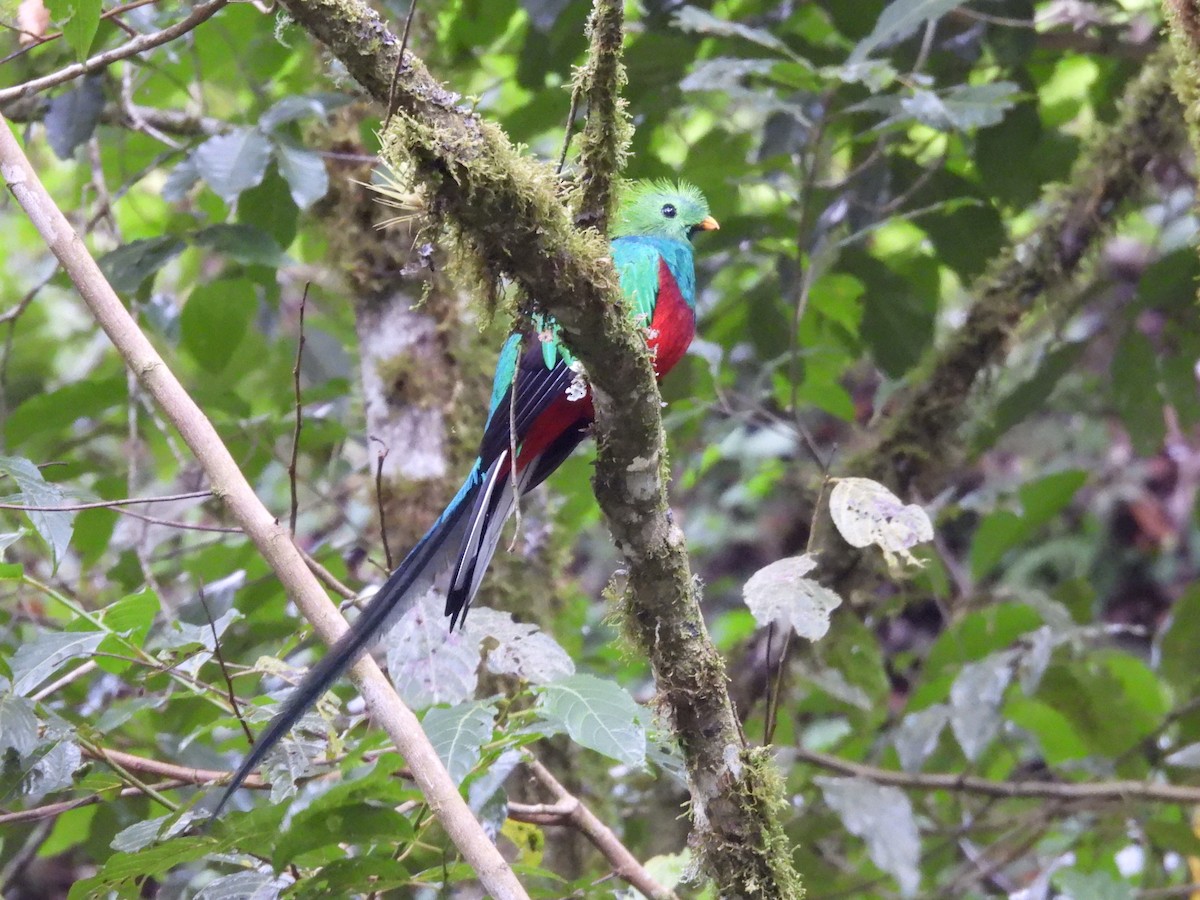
(1183, 28)
(604, 143)
(505, 208)
(923, 436)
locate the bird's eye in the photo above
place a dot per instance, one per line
(668, 210)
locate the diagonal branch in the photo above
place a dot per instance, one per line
(273, 540)
(923, 433)
(504, 208)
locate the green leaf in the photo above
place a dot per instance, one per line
(359, 876)
(80, 20)
(1093, 885)
(53, 527)
(781, 594)
(692, 18)
(962, 108)
(597, 714)
(246, 886)
(122, 871)
(1180, 638)
(458, 733)
(18, 724)
(88, 399)
(131, 264)
(245, 243)
(36, 660)
(270, 207)
(133, 615)
(317, 833)
(234, 162)
(883, 817)
(293, 108)
(1029, 396)
(72, 116)
(1135, 392)
(304, 172)
(897, 21)
(215, 319)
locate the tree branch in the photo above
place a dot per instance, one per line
(272, 540)
(160, 769)
(923, 434)
(1183, 29)
(605, 140)
(139, 44)
(1102, 791)
(168, 121)
(569, 810)
(504, 209)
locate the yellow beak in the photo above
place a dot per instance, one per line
(709, 224)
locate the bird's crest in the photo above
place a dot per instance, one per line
(662, 208)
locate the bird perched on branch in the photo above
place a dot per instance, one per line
(540, 393)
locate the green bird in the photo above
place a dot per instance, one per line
(552, 412)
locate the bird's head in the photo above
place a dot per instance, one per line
(662, 209)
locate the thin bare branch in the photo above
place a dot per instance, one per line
(1095, 792)
(272, 539)
(198, 15)
(569, 810)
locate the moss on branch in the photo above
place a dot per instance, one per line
(605, 140)
(1183, 28)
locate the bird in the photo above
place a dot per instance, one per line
(540, 390)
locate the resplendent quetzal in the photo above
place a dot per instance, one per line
(552, 410)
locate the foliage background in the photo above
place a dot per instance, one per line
(865, 176)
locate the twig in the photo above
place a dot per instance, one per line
(387, 550)
(52, 810)
(113, 760)
(229, 691)
(1100, 791)
(40, 39)
(291, 469)
(160, 769)
(182, 526)
(269, 536)
(569, 129)
(139, 44)
(106, 504)
(391, 103)
(569, 810)
(326, 577)
(59, 683)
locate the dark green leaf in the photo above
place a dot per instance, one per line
(131, 264)
(72, 116)
(80, 19)
(245, 243)
(53, 527)
(598, 714)
(215, 320)
(234, 162)
(304, 172)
